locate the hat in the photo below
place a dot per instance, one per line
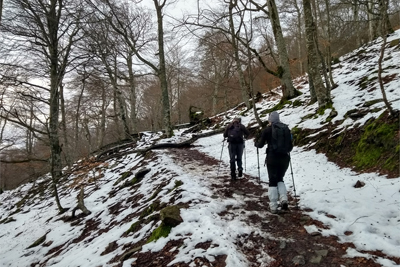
(273, 117)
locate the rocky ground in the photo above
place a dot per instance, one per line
(284, 239)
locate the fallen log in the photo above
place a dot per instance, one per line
(113, 153)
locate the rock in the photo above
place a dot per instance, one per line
(141, 173)
(316, 259)
(299, 260)
(316, 233)
(359, 184)
(322, 252)
(171, 215)
(281, 219)
(282, 244)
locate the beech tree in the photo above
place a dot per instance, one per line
(41, 35)
(284, 72)
(216, 67)
(322, 94)
(132, 23)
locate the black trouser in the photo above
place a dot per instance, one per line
(277, 164)
(235, 154)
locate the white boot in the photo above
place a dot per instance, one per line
(273, 199)
(283, 195)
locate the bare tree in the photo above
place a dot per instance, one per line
(216, 66)
(321, 92)
(46, 32)
(132, 29)
(381, 55)
(1, 9)
(284, 72)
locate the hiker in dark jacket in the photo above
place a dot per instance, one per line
(236, 132)
(277, 164)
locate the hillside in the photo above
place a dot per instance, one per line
(132, 190)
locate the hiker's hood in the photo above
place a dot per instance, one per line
(273, 117)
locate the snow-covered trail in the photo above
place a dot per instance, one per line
(327, 193)
(240, 225)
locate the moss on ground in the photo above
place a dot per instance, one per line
(153, 207)
(372, 147)
(134, 227)
(123, 177)
(377, 139)
(161, 231)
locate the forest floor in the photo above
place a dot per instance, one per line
(286, 240)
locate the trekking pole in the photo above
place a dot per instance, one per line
(258, 166)
(220, 158)
(294, 187)
(245, 155)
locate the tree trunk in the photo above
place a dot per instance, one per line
(55, 148)
(321, 92)
(120, 105)
(29, 133)
(386, 26)
(312, 90)
(325, 30)
(162, 75)
(54, 103)
(356, 11)
(102, 130)
(132, 94)
(382, 53)
(77, 115)
(235, 46)
(215, 92)
(66, 150)
(288, 90)
(328, 48)
(1, 9)
(300, 38)
(371, 21)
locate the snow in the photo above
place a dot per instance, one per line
(371, 213)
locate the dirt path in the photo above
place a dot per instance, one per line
(281, 240)
(285, 239)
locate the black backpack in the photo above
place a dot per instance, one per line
(281, 141)
(235, 134)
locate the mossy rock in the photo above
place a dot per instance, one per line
(394, 42)
(171, 215)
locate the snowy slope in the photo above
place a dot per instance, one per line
(326, 192)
